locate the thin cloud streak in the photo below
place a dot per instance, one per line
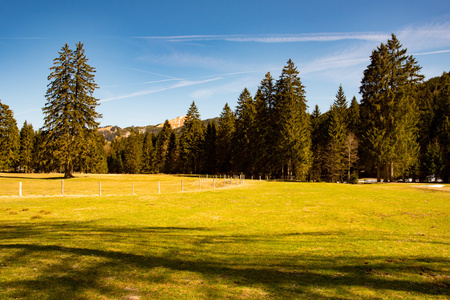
(183, 83)
(427, 37)
(278, 38)
(432, 52)
(27, 111)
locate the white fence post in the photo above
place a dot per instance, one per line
(99, 188)
(159, 187)
(20, 189)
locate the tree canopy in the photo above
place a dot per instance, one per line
(9, 138)
(69, 114)
(400, 128)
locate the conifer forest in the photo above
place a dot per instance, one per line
(398, 129)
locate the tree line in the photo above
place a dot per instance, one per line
(399, 129)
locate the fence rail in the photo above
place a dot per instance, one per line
(111, 186)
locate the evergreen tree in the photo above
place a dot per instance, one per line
(434, 124)
(353, 121)
(433, 161)
(9, 138)
(148, 154)
(351, 153)
(115, 157)
(265, 126)
(388, 109)
(191, 140)
(39, 158)
(26, 137)
(336, 154)
(210, 149)
(245, 123)
(69, 114)
(294, 142)
(172, 159)
(225, 134)
(162, 146)
(318, 140)
(133, 153)
(93, 158)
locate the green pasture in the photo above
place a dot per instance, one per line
(257, 240)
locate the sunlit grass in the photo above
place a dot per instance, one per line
(259, 240)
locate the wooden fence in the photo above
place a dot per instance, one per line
(109, 187)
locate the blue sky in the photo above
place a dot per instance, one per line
(153, 58)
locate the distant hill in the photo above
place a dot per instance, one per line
(111, 132)
(174, 123)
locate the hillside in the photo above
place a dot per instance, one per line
(111, 132)
(174, 123)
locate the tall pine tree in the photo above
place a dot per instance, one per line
(26, 147)
(336, 152)
(191, 141)
(162, 146)
(69, 114)
(244, 153)
(172, 159)
(434, 124)
(293, 125)
(265, 127)
(9, 138)
(353, 117)
(388, 109)
(225, 134)
(318, 144)
(133, 153)
(115, 155)
(210, 149)
(148, 154)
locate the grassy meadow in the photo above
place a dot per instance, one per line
(257, 240)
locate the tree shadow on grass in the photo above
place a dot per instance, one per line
(83, 271)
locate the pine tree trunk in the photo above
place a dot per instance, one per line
(386, 172)
(349, 166)
(378, 174)
(391, 172)
(68, 169)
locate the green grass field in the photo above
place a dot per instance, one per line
(258, 240)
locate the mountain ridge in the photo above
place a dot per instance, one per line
(110, 132)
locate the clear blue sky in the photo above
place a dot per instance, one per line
(153, 58)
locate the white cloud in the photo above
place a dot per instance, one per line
(347, 58)
(28, 111)
(432, 52)
(427, 37)
(277, 38)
